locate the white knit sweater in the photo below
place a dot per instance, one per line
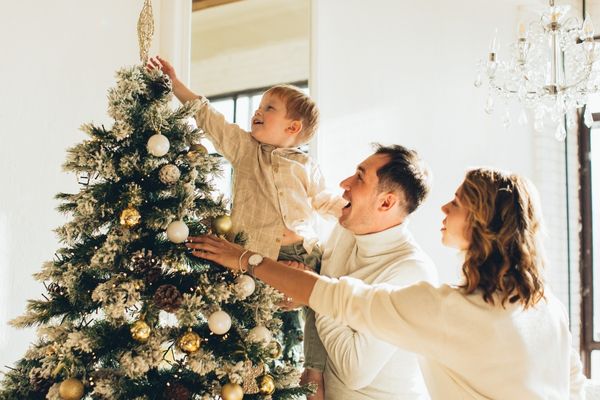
(360, 366)
(473, 350)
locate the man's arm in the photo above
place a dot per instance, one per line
(357, 358)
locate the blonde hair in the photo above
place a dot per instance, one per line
(299, 106)
(504, 256)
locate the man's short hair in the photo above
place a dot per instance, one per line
(299, 107)
(405, 172)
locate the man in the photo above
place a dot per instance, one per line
(372, 243)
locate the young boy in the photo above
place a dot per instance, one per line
(276, 187)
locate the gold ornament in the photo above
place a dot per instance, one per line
(130, 217)
(196, 151)
(266, 384)
(189, 342)
(222, 224)
(71, 389)
(197, 148)
(140, 331)
(275, 349)
(232, 391)
(145, 30)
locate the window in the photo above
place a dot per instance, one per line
(589, 161)
(239, 108)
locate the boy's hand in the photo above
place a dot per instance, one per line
(179, 89)
(162, 64)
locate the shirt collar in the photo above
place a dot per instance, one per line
(373, 244)
(269, 148)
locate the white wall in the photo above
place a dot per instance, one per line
(58, 61)
(403, 72)
(250, 44)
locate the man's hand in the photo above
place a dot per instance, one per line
(314, 376)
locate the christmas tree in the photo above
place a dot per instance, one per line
(128, 313)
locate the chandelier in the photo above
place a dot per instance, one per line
(550, 70)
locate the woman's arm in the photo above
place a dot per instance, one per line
(410, 317)
(295, 283)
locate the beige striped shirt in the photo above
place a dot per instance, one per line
(273, 188)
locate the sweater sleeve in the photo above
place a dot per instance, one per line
(357, 357)
(322, 200)
(576, 378)
(231, 141)
(409, 317)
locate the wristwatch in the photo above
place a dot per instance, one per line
(253, 262)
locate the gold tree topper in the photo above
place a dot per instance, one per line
(145, 30)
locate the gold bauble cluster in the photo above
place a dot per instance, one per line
(140, 331)
(189, 343)
(130, 217)
(196, 151)
(266, 384)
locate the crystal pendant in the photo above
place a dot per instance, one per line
(588, 119)
(522, 92)
(560, 133)
(538, 125)
(506, 119)
(523, 118)
(489, 105)
(477, 82)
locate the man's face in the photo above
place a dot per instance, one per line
(361, 215)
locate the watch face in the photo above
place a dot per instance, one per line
(255, 259)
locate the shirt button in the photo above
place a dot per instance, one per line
(277, 240)
(275, 169)
(280, 193)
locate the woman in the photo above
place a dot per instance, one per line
(500, 335)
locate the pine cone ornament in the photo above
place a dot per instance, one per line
(159, 86)
(38, 382)
(177, 392)
(55, 289)
(143, 262)
(168, 298)
(153, 275)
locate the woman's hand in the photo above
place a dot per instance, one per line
(216, 249)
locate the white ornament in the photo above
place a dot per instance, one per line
(245, 286)
(219, 322)
(169, 174)
(177, 232)
(158, 145)
(260, 334)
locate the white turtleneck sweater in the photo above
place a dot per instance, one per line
(360, 366)
(472, 349)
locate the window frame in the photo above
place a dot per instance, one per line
(587, 342)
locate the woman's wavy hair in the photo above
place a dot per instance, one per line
(504, 257)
